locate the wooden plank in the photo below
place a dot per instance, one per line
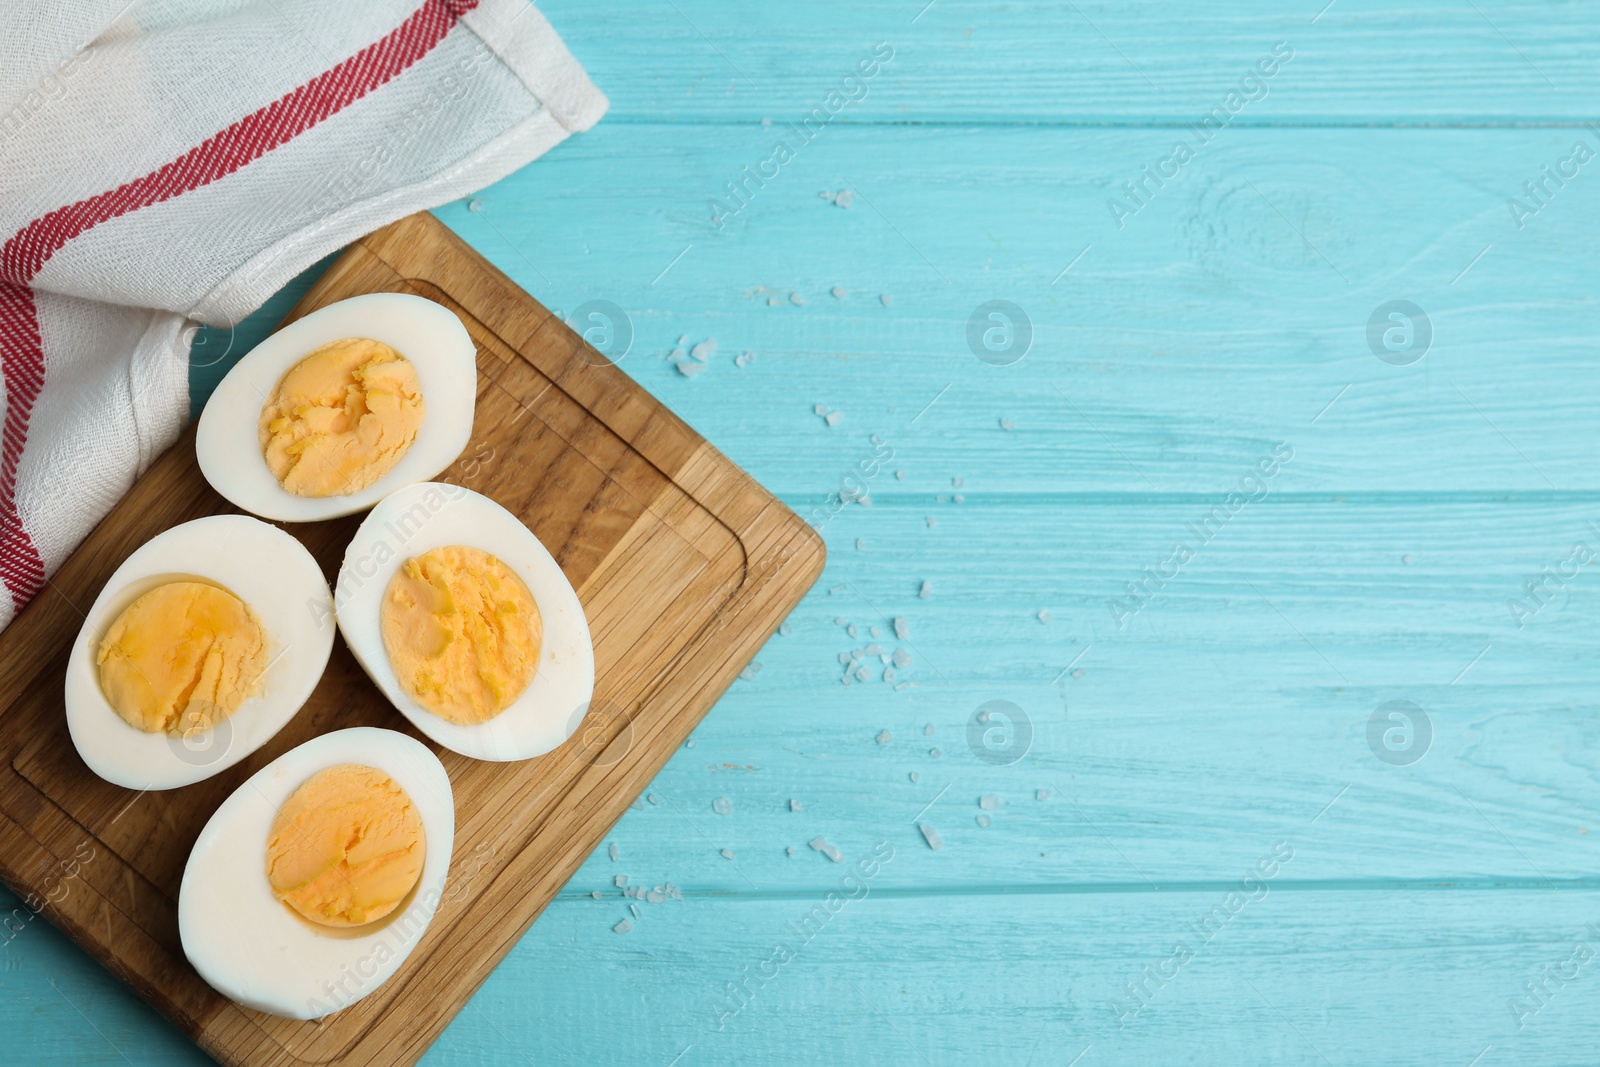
(1176, 350)
(682, 574)
(1037, 62)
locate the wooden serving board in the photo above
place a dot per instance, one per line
(684, 565)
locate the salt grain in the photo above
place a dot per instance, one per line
(862, 674)
(595, 894)
(820, 409)
(853, 630)
(840, 620)
(705, 349)
(794, 805)
(874, 649)
(884, 298)
(789, 851)
(820, 844)
(797, 300)
(727, 853)
(1007, 424)
(722, 806)
(913, 777)
(935, 753)
(932, 522)
(861, 544)
(902, 629)
(785, 629)
(475, 205)
(889, 675)
(1041, 794)
(683, 339)
(1044, 614)
(901, 659)
(621, 881)
(926, 591)
(959, 499)
(989, 803)
(612, 851)
(622, 927)
(838, 589)
(958, 481)
(927, 731)
(899, 476)
(875, 631)
(742, 359)
(905, 685)
(838, 293)
(635, 909)
(750, 672)
(689, 369)
(884, 737)
(656, 896)
(652, 798)
(983, 820)
(832, 418)
(773, 301)
(931, 836)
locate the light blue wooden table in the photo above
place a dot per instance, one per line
(1255, 523)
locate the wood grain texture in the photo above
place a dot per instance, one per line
(682, 562)
(1228, 713)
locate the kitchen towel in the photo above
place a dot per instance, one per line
(175, 162)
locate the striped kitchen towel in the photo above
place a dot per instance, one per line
(173, 162)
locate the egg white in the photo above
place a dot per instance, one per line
(276, 578)
(428, 334)
(251, 947)
(433, 515)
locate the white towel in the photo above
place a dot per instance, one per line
(177, 161)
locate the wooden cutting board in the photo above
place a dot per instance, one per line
(684, 564)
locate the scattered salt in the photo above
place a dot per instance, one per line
(913, 777)
(838, 589)
(621, 881)
(901, 659)
(683, 339)
(875, 631)
(884, 737)
(750, 672)
(820, 844)
(819, 409)
(931, 836)
(838, 293)
(874, 649)
(595, 894)
(475, 205)
(853, 630)
(742, 359)
(959, 499)
(635, 909)
(797, 300)
(1078, 673)
(983, 820)
(861, 544)
(958, 481)
(656, 896)
(935, 753)
(705, 349)
(905, 685)
(899, 476)
(902, 629)
(832, 418)
(927, 731)
(932, 522)
(883, 298)
(795, 805)
(927, 589)
(622, 927)
(1044, 614)
(689, 369)
(840, 620)
(789, 851)
(989, 803)
(1007, 424)
(889, 675)
(652, 798)
(773, 301)
(722, 806)
(612, 850)
(727, 853)
(862, 674)
(1041, 794)
(785, 629)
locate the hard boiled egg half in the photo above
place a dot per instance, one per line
(314, 881)
(201, 646)
(340, 408)
(466, 623)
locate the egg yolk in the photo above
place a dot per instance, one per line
(346, 847)
(462, 632)
(340, 418)
(181, 658)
